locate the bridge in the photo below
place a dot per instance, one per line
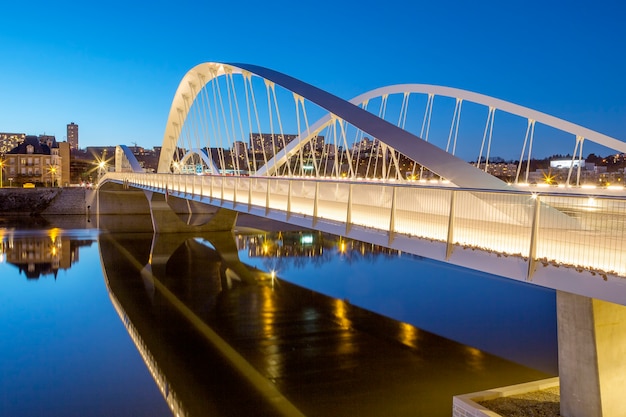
(370, 169)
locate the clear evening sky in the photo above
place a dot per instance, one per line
(113, 67)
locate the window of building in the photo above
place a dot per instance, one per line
(30, 149)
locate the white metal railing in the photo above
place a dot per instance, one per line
(563, 229)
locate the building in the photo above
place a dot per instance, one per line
(39, 161)
(72, 136)
(271, 144)
(9, 141)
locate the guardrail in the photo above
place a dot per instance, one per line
(583, 232)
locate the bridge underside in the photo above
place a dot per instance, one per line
(168, 214)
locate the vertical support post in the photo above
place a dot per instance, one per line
(392, 216)
(249, 194)
(211, 189)
(267, 197)
(450, 240)
(534, 233)
(235, 186)
(316, 202)
(349, 210)
(222, 196)
(289, 200)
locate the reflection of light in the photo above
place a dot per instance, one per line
(342, 246)
(306, 239)
(268, 312)
(475, 358)
(53, 233)
(408, 335)
(341, 312)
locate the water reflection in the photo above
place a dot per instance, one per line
(62, 350)
(42, 254)
(300, 248)
(224, 338)
(508, 318)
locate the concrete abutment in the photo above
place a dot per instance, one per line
(592, 356)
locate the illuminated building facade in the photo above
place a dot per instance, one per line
(40, 161)
(273, 143)
(72, 136)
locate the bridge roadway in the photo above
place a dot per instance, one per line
(575, 243)
(572, 243)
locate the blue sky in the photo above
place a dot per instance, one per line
(113, 67)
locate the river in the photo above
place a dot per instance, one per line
(269, 320)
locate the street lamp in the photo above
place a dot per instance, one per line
(1, 169)
(101, 168)
(53, 171)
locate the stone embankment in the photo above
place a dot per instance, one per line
(44, 201)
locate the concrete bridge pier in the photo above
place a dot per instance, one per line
(165, 219)
(592, 356)
(226, 257)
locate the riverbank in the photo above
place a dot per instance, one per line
(45, 201)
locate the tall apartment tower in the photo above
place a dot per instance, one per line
(72, 136)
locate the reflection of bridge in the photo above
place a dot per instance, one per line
(213, 344)
(373, 181)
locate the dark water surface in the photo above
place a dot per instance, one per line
(96, 324)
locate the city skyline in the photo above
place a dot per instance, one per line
(114, 74)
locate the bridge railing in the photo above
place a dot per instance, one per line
(570, 230)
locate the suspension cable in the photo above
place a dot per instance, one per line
(530, 150)
(521, 157)
(308, 133)
(258, 122)
(493, 117)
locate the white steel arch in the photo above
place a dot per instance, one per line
(437, 160)
(204, 157)
(189, 87)
(579, 131)
(426, 154)
(500, 105)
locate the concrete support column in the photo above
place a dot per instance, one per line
(165, 220)
(592, 356)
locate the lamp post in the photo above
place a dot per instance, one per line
(1, 169)
(101, 169)
(53, 171)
